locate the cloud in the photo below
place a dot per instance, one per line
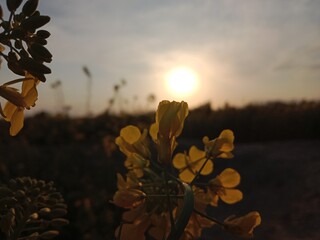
(302, 58)
(247, 44)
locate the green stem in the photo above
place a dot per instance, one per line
(198, 173)
(169, 200)
(208, 217)
(16, 81)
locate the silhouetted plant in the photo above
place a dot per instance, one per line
(22, 45)
(30, 209)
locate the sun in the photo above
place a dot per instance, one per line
(182, 81)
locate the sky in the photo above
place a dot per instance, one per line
(242, 52)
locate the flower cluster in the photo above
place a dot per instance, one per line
(22, 46)
(171, 203)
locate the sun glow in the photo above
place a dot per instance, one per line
(182, 81)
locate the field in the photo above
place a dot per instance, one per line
(280, 177)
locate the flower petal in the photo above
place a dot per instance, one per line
(232, 196)
(153, 131)
(179, 161)
(130, 134)
(186, 175)
(229, 178)
(196, 154)
(9, 110)
(17, 122)
(228, 137)
(31, 97)
(207, 169)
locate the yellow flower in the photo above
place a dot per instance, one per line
(131, 140)
(136, 163)
(128, 196)
(17, 102)
(190, 165)
(138, 223)
(220, 147)
(243, 226)
(170, 118)
(223, 186)
(197, 223)
(160, 226)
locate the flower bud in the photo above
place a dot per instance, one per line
(13, 5)
(32, 66)
(34, 22)
(30, 7)
(49, 234)
(43, 34)
(40, 52)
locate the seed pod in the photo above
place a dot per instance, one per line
(40, 52)
(27, 181)
(55, 195)
(32, 66)
(34, 192)
(60, 205)
(44, 211)
(49, 234)
(12, 183)
(34, 216)
(33, 236)
(58, 212)
(34, 22)
(13, 4)
(59, 222)
(43, 34)
(30, 7)
(20, 193)
(41, 183)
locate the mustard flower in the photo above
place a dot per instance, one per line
(170, 118)
(242, 226)
(196, 223)
(14, 109)
(128, 194)
(138, 221)
(131, 140)
(160, 226)
(220, 147)
(223, 187)
(136, 164)
(189, 165)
